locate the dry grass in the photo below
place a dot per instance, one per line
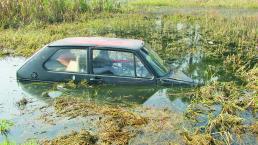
(198, 139)
(75, 138)
(115, 123)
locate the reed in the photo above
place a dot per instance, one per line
(15, 13)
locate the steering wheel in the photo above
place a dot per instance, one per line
(124, 69)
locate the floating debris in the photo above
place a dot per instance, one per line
(75, 138)
(22, 103)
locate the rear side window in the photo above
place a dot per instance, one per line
(68, 60)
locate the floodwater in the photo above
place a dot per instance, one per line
(38, 120)
(227, 12)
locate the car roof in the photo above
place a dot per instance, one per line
(99, 42)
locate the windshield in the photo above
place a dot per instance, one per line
(154, 60)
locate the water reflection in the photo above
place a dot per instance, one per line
(149, 96)
(38, 118)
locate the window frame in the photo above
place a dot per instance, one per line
(58, 48)
(120, 50)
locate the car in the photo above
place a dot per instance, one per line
(100, 60)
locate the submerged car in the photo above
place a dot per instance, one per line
(100, 60)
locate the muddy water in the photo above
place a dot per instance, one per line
(227, 12)
(38, 120)
(29, 120)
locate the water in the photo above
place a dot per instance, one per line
(226, 12)
(38, 119)
(28, 122)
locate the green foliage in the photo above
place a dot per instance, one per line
(17, 13)
(7, 142)
(5, 126)
(227, 44)
(29, 142)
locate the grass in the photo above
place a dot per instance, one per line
(198, 3)
(17, 13)
(237, 36)
(116, 124)
(27, 40)
(113, 125)
(5, 126)
(228, 47)
(29, 142)
(227, 125)
(82, 137)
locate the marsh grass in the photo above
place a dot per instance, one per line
(120, 125)
(228, 47)
(5, 126)
(234, 43)
(17, 13)
(198, 3)
(113, 126)
(83, 137)
(227, 124)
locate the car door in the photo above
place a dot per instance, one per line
(67, 64)
(114, 66)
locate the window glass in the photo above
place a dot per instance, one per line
(154, 60)
(141, 70)
(117, 63)
(68, 60)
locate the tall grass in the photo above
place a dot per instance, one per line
(198, 3)
(238, 36)
(230, 42)
(18, 12)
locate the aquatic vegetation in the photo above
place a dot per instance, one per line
(22, 103)
(122, 125)
(227, 121)
(215, 49)
(5, 126)
(7, 142)
(116, 120)
(29, 142)
(77, 138)
(74, 107)
(197, 138)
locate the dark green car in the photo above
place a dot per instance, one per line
(100, 60)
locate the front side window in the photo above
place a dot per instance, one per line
(116, 63)
(141, 70)
(154, 60)
(68, 60)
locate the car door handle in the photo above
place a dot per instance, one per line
(96, 80)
